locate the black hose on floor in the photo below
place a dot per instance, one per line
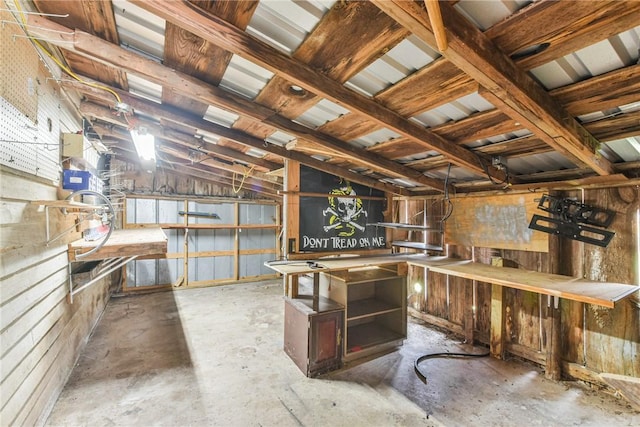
(423, 378)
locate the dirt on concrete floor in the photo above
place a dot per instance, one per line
(214, 356)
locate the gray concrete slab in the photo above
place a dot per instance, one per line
(214, 356)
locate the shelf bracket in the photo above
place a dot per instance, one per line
(109, 266)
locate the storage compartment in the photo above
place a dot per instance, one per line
(374, 330)
(375, 308)
(313, 339)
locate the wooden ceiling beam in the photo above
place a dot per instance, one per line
(179, 142)
(505, 85)
(196, 123)
(225, 35)
(204, 174)
(248, 140)
(107, 53)
(165, 112)
(214, 167)
(606, 91)
(566, 26)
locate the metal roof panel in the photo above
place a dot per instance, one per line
(244, 77)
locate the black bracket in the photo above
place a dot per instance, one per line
(572, 219)
(578, 213)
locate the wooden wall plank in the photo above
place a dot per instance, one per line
(612, 336)
(33, 303)
(79, 319)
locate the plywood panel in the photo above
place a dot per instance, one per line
(496, 222)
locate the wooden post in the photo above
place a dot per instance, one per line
(291, 282)
(236, 242)
(553, 370)
(185, 272)
(469, 312)
(497, 321)
(291, 235)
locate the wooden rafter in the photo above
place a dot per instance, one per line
(196, 123)
(221, 33)
(107, 53)
(506, 85)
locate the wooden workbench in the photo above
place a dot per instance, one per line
(576, 289)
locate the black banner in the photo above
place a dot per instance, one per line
(339, 221)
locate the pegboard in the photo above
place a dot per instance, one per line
(29, 108)
(19, 68)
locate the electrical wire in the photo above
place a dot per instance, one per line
(57, 61)
(244, 176)
(446, 196)
(505, 182)
(424, 357)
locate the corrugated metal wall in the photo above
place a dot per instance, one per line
(229, 248)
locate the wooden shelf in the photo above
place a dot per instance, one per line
(122, 243)
(368, 335)
(365, 275)
(406, 226)
(304, 304)
(600, 293)
(65, 204)
(369, 307)
(416, 245)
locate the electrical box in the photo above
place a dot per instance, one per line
(77, 146)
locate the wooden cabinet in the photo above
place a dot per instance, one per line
(313, 339)
(375, 309)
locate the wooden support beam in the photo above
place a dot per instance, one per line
(229, 37)
(511, 89)
(291, 206)
(251, 141)
(106, 53)
(435, 17)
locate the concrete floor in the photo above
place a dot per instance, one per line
(213, 356)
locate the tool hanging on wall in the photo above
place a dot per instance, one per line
(202, 214)
(574, 220)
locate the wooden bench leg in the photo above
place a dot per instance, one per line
(497, 346)
(553, 369)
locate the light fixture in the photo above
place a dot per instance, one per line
(144, 143)
(417, 287)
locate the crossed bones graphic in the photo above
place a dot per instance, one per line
(341, 220)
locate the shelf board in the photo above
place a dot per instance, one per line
(304, 303)
(364, 275)
(66, 204)
(370, 334)
(369, 307)
(123, 243)
(406, 226)
(416, 245)
(576, 289)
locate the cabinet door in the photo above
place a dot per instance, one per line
(325, 343)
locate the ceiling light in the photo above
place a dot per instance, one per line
(144, 143)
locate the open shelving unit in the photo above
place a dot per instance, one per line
(375, 309)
